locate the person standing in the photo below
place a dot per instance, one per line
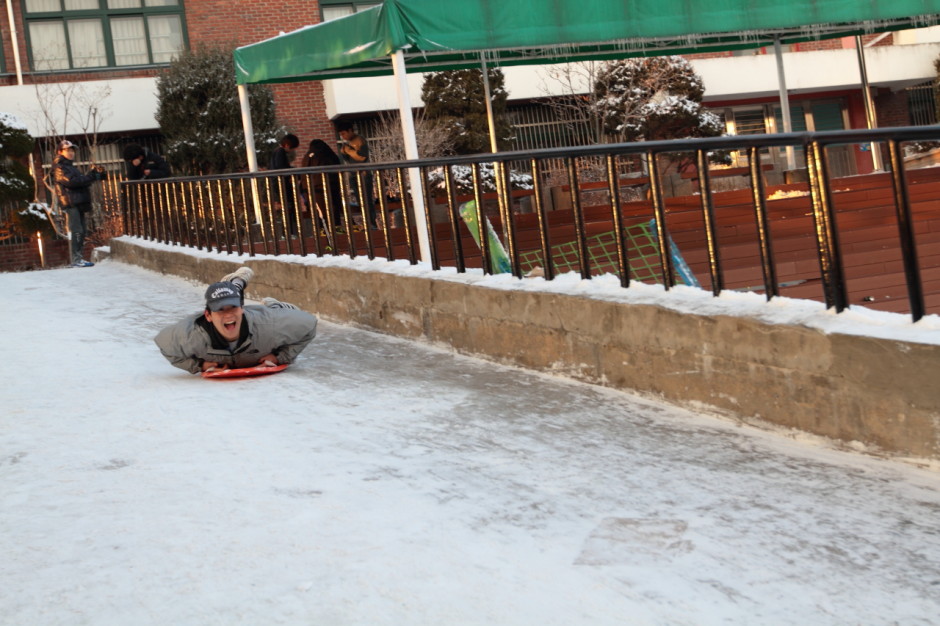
(355, 151)
(281, 159)
(319, 154)
(73, 190)
(143, 164)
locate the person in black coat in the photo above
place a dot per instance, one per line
(319, 154)
(144, 164)
(73, 191)
(281, 159)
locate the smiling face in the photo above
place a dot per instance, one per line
(227, 320)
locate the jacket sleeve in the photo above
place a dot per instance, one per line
(182, 344)
(158, 166)
(279, 160)
(295, 329)
(71, 178)
(134, 172)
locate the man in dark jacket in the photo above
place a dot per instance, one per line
(144, 164)
(228, 334)
(281, 160)
(73, 190)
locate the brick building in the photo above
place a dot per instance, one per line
(119, 47)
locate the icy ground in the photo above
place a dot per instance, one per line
(379, 481)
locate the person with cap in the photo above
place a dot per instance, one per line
(143, 164)
(230, 334)
(73, 190)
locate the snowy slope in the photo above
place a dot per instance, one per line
(379, 481)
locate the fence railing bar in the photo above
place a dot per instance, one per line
(406, 216)
(501, 173)
(902, 205)
(616, 214)
(659, 212)
(545, 241)
(584, 261)
(233, 207)
(708, 218)
(431, 231)
(248, 215)
(453, 217)
(364, 211)
(383, 211)
(768, 267)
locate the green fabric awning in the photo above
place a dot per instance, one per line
(439, 34)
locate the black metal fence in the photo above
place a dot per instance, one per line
(500, 213)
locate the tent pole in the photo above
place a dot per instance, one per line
(411, 153)
(250, 147)
(491, 124)
(489, 105)
(784, 101)
(248, 128)
(869, 105)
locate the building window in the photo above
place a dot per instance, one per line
(332, 9)
(80, 34)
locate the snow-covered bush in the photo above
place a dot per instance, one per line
(654, 98)
(463, 179)
(200, 116)
(456, 99)
(31, 220)
(16, 183)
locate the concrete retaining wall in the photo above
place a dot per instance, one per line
(880, 392)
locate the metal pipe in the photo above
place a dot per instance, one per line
(249, 131)
(784, 101)
(411, 153)
(869, 104)
(15, 43)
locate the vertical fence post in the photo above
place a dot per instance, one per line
(659, 211)
(708, 217)
(768, 268)
(902, 204)
(453, 215)
(830, 260)
(584, 259)
(548, 264)
(613, 187)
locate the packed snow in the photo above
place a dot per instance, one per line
(381, 481)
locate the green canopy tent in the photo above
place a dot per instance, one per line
(403, 36)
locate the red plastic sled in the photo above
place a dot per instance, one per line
(241, 372)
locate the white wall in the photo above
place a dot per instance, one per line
(130, 106)
(726, 78)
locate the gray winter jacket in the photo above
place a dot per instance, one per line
(282, 332)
